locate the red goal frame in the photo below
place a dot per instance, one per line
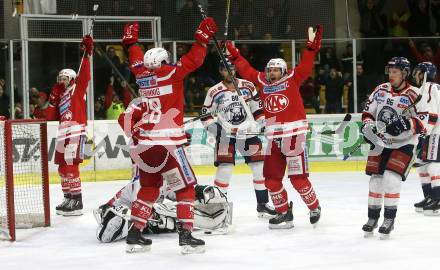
(9, 173)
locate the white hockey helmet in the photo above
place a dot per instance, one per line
(155, 57)
(277, 63)
(67, 72)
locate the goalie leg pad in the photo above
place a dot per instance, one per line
(114, 225)
(278, 194)
(185, 206)
(213, 216)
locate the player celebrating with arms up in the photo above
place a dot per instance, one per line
(67, 103)
(155, 124)
(286, 127)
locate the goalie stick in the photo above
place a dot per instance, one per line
(417, 100)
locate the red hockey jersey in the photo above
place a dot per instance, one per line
(156, 118)
(282, 102)
(71, 108)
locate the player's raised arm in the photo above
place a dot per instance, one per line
(82, 81)
(305, 66)
(242, 65)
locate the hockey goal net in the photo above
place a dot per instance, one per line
(24, 179)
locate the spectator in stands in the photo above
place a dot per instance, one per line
(364, 87)
(328, 59)
(398, 28)
(4, 103)
(41, 106)
(194, 94)
(333, 92)
(18, 110)
(347, 61)
(426, 54)
(308, 94)
(373, 24)
(420, 21)
(113, 104)
(99, 108)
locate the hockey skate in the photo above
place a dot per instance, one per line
(61, 207)
(419, 206)
(188, 243)
(136, 242)
(282, 221)
(432, 209)
(264, 210)
(369, 227)
(74, 207)
(386, 228)
(315, 215)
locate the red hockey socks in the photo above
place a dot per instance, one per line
(185, 207)
(70, 180)
(305, 190)
(142, 207)
(278, 194)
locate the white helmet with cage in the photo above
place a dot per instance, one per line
(277, 63)
(67, 72)
(155, 57)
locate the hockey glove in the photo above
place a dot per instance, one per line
(87, 45)
(55, 94)
(231, 51)
(314, 38)
(131, 34)
(206, 30)
(369, 131)
(398, 126)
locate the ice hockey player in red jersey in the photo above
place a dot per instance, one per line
(67, 104)
(286, 127)
(154, 122)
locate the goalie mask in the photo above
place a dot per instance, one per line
(70, 74)
(154, 58)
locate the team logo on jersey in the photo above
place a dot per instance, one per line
(268, 89)
(379, 96)
(67, 116)
(387, 114)
(276, 103)
(137, 64)
(235, 113)
(147, 81)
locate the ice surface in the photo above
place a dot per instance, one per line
(337, 242)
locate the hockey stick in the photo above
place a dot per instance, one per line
(115, 69)
(225, 35)
(382, 129)
(223, 59)
(95, 11)
(340, 128)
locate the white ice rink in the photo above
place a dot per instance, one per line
(337, 243)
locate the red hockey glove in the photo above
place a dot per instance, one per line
(314, 41)
(87, 45)
(231, 51)
(55, 94)
(131, 34)
(206, 30)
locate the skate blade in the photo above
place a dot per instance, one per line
(73, 213)
(284, 225)
(368, 234)
(137, 248)
(419, 209)
(314, 225)
(264, 215)
(187, 249)
(384, 236)
(60, 212)
(431, 213)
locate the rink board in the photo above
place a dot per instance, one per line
(106, 158)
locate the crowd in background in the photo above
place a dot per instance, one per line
(328, 90)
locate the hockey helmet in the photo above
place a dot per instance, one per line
(67, 72)
(277, 63)
(427, 67)
(401, 63)
(155, 57)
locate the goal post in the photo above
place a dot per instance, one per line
(24, 176)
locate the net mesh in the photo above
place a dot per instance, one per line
(27, 177)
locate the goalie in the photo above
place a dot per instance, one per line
(212, 212)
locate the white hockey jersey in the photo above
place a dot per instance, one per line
(226, 104)
(431, 101)
(385, 105)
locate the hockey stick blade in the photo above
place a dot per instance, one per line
(340, 128)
